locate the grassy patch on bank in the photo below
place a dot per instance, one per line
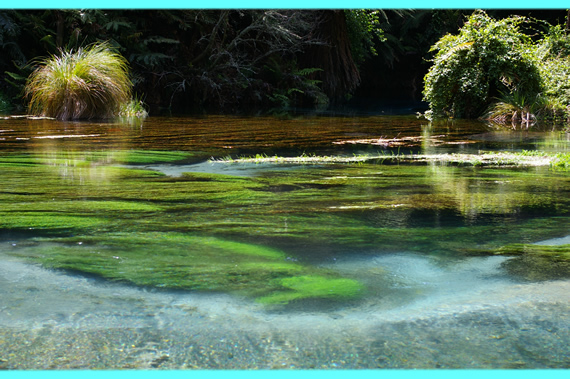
(91, 82)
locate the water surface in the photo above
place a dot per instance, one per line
(115, 252)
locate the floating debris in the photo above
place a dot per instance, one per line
(404, 141)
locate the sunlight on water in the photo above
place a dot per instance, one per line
(420, 239)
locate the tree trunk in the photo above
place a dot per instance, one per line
(59, 29)
(340, 76)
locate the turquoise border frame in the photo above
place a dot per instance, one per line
(298, 374)
(297, 4)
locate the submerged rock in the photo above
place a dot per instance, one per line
(537, 262)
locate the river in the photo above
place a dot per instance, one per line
(146, 245)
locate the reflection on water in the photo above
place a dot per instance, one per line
(79, 197)
(235, 135)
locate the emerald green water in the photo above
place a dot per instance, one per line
(106, 226)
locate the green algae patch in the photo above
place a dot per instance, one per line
(337, 207)
(558, 252)
(314, 287)
(80, 206)
(93, 158)
(136, 157)
(179, 261)
(313, 213)
(537, 262)
(51, 221)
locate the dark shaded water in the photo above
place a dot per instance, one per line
(136, 269)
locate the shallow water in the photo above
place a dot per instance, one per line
(404, 232)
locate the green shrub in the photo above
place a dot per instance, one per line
(554, 64)
(92, 82)
(487, 57)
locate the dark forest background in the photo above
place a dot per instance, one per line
(245, 60)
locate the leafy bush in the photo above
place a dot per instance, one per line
(553, 53)
(487, 57)
(92, 82)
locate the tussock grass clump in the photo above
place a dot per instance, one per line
(92, 82)
(135, 108)
(518, 109)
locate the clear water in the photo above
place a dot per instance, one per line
(395, 229)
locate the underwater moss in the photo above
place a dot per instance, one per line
(88, 158)
(558, 252)
(179, 261)
(537, 262)
(341, 206)
(311, 287)
(136, 157)
(215, 232)
(53, 221)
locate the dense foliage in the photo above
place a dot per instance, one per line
(197, 59)
(486, 57)
(501, 70)
(248, 60)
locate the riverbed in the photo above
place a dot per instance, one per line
(404, 232)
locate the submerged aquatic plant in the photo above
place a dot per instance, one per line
(537, 262)
(259, 235)
(312, 287)
(188, 262)
(92, 82)
(561, 162)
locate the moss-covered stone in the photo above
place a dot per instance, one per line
(537, 262)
